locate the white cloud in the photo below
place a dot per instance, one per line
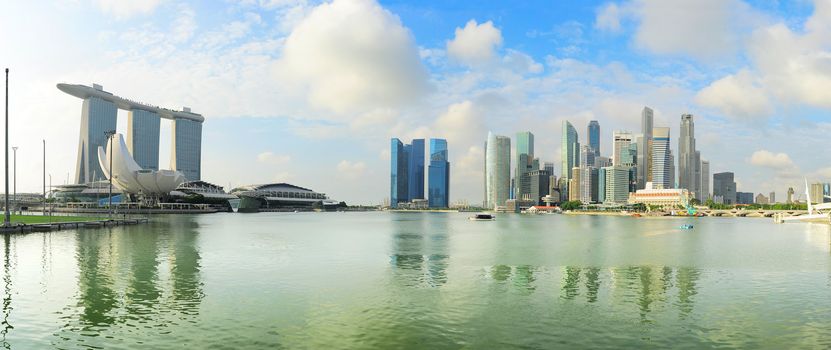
(270, 158)
(128, 8)
(475, 43)
(608, 17)
(739, 96)
(351, 170)
(779, 161)
(352, 56)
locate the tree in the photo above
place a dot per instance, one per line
(571, 205)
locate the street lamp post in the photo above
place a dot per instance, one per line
(14, 196)
(7, 217)
(110, 135)
(44, 177)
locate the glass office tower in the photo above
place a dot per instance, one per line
(662, 172)
(415, 170)
(594, 138)
(438, 175)
(98, 116)
(187, 148)
(398, 173)
(143, 138)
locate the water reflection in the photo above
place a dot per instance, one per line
(419, 249)
(7, 290)
(138, 277)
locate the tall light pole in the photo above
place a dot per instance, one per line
(14, 197)
(44, 177)
(7, 217)
(110, 135)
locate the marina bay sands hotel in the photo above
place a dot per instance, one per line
(99, 115)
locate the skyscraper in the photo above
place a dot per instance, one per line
(497, 170)
(620, 145)
(772, 198)
(525, 163)
(143, 137)
(705, 180)
(549, 167)
(616, 184)
(570, 156)
(645, 148)
(661, 159)
(415, 169)
(593, 133)
(724, 188)
(438, 175)
(817, 192)
(406, 171)
(689, 160)
(398, 173)
(97, 117)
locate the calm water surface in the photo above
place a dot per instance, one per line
(419, 280)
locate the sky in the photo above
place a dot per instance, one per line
(310, 92)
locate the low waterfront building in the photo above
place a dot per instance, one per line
(516, 206)
(665, 198)
(761, 199)
(744, 197)
(279, 196)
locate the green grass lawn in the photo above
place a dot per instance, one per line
(39, 219)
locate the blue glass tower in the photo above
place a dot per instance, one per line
(594, 138)
(143, 138)
(398, 173)
(415, 169)
(439, 175)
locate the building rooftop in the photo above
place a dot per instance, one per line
(84, 92)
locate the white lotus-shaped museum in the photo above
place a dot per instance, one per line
(130, 177)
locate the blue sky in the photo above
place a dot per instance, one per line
(310, 92)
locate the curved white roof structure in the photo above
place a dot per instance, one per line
(130, 177)
(83, 92)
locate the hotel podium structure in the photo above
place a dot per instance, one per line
(99, 115)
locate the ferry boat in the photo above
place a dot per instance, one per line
(686, 227)
(482, 217)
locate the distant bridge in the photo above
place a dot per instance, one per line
(753, 213)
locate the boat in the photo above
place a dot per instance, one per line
(482, 217)
(686, 227)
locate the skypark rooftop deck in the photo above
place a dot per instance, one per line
(83, 92)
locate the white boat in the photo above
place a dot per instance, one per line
(482, 217)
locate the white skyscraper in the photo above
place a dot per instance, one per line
(645, 148)
(620, 143)
(497, 170)
(661, 159)
(689, 160)
(705, 180)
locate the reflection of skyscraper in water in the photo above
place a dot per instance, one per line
(143, 287)
(419, 250)
(95, 284)
(185, 270)
(686, 278)
(571, 284)
(592, 283)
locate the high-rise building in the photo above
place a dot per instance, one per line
(827, 192)
(662, 176)
(672, 170)
(817, 192)
(539, 180)
(438, 175)
(549, 167)
(744, 197)
(497, 170)
(143, 137)
(415, 169)
(790, 195)
(772, 198)
(689, 160)
(574, 184)
(406, 171)
(645, 148)
(724, 187)
(525, 163)
(398, 173)
(620, 144)
(593, 133)
(585, 184)
(616, 184)
(99, 116)
(705, 180)
(570, 155)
